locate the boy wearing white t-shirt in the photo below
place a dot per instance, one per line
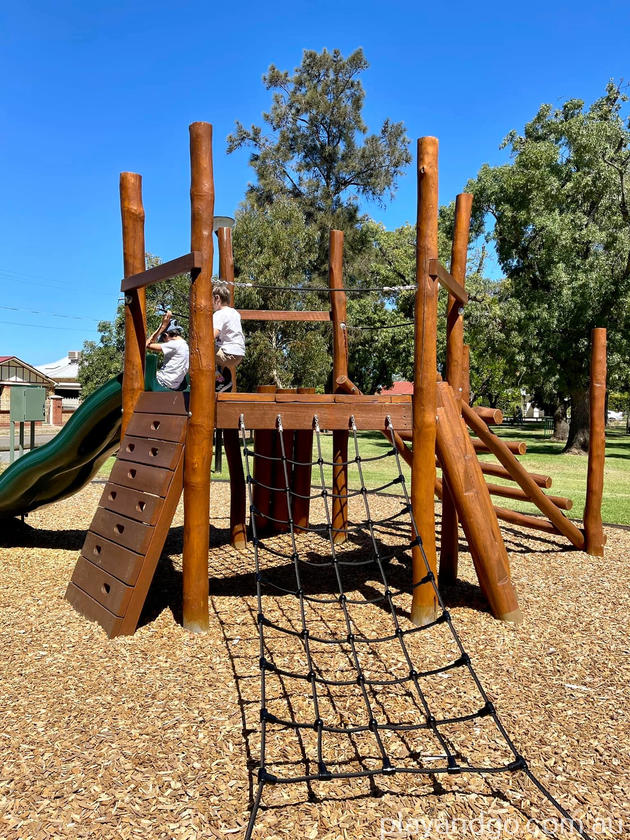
(228, 335)
(174, 348)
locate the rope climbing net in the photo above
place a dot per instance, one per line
(361, 706)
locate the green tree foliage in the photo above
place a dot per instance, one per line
(561, 227)
(318, 153)
(274, 249)
(102, 360)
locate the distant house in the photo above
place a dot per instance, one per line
(65, 373)
(13, 372)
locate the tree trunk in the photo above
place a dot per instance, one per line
(560, 422)
(579, 427)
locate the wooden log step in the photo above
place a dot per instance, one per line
(525, 520)
(113, 558)
(121, 530)
(516, 447)
(490, 416)
(498, 471)
(112, 593)
(148, 479)
(135, 504)
(516, 493)
(153, 453)
(158, 426)
(92, 610)
(162, 402)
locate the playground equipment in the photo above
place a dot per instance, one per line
(166, 448)
(167, 438)
(66, 463)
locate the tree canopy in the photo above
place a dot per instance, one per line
(317, 150)
(561, 228)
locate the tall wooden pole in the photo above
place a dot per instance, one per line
(132, 213)
(424, 605)
(593, 529)
(340, 368)
(226, 258)
(231, 440)
(198, 458)
(449, 542)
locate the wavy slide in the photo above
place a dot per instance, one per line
(66, 463)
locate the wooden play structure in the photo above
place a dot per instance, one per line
(167, 437)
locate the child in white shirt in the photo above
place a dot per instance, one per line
(228, 336)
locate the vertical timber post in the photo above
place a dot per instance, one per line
(466, 375)
(198, 455)
(593, 529)
(231, 440)
(424, 604)
(449, 542)
(302, 473)
(340, 368)
(132, 213)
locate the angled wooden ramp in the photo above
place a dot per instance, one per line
(462, 470)
(123, 545)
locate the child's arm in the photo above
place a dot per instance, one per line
(152, 344)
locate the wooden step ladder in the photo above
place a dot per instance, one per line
(125, 540)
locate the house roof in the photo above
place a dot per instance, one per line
(63, 370)
(32, 374)
(402, 387)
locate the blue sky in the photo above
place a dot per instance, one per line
(93, 89)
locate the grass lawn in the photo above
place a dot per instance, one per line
(543, 456)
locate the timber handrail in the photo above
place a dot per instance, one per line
(163, 271)
(284, 315)
(436, 269)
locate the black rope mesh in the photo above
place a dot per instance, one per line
(339, 654)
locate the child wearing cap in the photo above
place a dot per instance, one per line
(173, 346)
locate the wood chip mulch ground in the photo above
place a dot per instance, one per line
(157, 735)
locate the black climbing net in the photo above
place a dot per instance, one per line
(366, 709)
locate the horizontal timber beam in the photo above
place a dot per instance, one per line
(368, 412)
(164, 271)
(283, 315)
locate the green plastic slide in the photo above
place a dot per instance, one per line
(65, 464)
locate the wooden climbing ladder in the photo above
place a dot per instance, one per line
(123, 545)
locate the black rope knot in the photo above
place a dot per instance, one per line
(519, 763)
(431, 722)
(323, 772)
(388, 767)
(453, 766)
(317, 724)
(265, 777)
(486, 710)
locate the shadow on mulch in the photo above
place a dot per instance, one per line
(318, 579)
(16, 533)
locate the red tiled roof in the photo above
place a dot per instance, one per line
(6, 358)
(399, 388)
